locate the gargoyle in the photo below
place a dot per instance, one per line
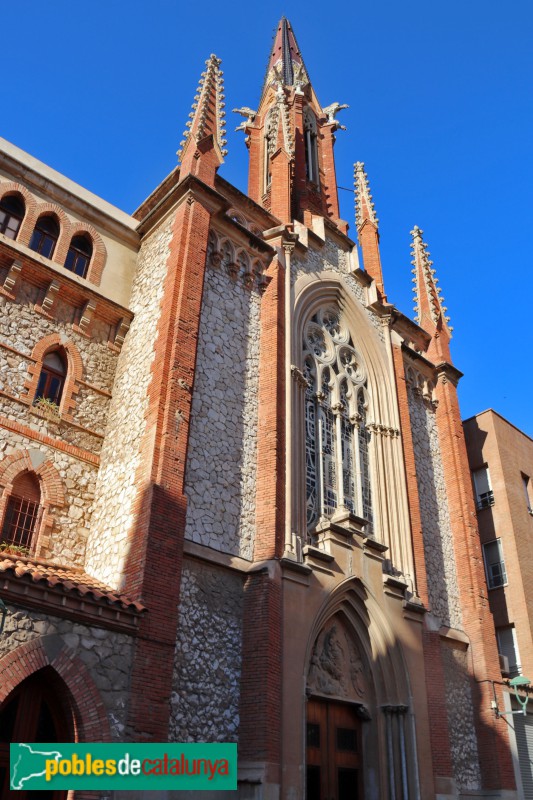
(249, 113)
(331, 112)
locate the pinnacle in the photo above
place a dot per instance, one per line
(364, 205)
(429, 302)
(207, 115)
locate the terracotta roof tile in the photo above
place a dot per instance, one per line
(70, 579)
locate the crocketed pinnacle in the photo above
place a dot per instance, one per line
(285, 63)
(430, 311)
(207, 115)
(364, 206)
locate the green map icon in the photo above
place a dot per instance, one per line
(29, 764)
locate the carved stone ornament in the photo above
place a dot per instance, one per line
(336, 667)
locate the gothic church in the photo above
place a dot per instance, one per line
(235, 502)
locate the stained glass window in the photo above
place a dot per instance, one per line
(336, 436)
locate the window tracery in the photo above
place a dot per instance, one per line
(336, 437)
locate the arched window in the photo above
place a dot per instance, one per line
(45, 236)
(336, 436)
(52, 377)
(22, 511)
(311, 150)
(11, 215)
(79, 255)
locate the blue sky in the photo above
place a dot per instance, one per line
(440, 112)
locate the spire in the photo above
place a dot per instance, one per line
(364, 206)
(366, 222)
(430, 313)
(206, 118)
(285, 63)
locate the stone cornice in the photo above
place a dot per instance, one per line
(190, 186)
(447, 372)
(59, 189)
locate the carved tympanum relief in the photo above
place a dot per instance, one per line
(336, 666)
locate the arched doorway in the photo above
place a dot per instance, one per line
(37, 710)
(337, 708)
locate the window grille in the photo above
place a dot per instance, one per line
(20, 521)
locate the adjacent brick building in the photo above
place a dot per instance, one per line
(234, 479)
(501, 460)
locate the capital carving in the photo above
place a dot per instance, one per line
(298, 377)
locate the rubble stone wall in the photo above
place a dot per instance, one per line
(463, 741)
(221, 463)
(207, 667)
(438, 543)
(120, 458)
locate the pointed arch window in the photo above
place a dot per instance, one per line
(22, 511)
(79, 255)
(336, 436)
(12, 212)
(45, 236)
(311, 148)
(52, 377)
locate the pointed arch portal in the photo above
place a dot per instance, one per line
(33, 712)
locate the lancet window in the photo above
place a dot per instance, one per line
(311, 150)
(336, 436)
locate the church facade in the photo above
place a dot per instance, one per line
(235, 501)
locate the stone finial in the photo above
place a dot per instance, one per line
(207, 115)
(364, 205)
(429, 302)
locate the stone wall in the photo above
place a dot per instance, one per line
(106, 655)
(116, 489)
(21, 328)
(205, 696)
(459, 707)
(221, 463)
(438, 543)
(71, 522)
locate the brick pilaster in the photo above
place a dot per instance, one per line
(260, 710)
(153, 569)
(329, 189)
(493, 745)
(270, 491)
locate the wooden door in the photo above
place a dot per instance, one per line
(334, 767)
(31, 713)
